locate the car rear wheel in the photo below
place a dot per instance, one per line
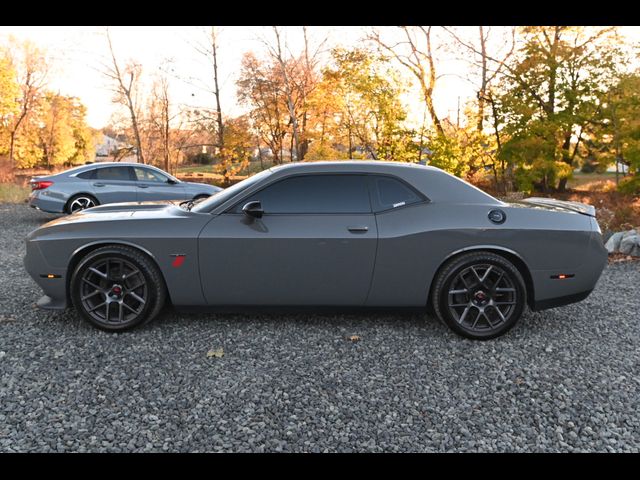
(81, 202)
(479, 295)
(117, 288)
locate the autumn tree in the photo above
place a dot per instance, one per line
(259, 88)
(30, 65)
(156, 124)
(126, 86)
(64, 136)
(367, 92)
(621, 129)
(239, 144)
(415, 51)
(551, 93)
(9, 93)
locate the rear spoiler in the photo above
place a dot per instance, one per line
(577, 207)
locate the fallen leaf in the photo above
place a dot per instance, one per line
(217, 353)
(354, 338)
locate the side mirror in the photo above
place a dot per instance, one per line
(253, 209)
(171, 181)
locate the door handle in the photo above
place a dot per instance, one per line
(99, 185)
(143, 186)
(359, 229)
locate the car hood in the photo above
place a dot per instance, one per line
(122, 211)
(555, 205)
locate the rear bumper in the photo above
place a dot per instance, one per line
(551, 291)
(42, 200)
(560, 301)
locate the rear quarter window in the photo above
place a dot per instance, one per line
(389, 193)
(88, 175)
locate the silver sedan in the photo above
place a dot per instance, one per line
(97, 184)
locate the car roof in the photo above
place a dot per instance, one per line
(351, 165)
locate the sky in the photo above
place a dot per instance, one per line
(78, 53)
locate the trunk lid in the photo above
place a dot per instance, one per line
(561, 205)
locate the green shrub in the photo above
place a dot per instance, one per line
(629, 185)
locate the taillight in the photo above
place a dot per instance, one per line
(40, 185)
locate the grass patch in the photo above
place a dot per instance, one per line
(12, 193)
(593, 181)
(196, 169)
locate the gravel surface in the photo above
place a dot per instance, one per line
(562, 380)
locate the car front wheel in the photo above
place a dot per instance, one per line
(117, 288)
(479, 295)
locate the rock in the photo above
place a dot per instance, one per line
(630, 244)
(613, 244)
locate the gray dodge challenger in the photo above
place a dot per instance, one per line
(110, 182)
(346, 234)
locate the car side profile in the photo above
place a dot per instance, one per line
(356, 234)
(110, 182)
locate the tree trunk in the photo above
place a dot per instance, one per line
(483, 84)
(11, 148)
(136, 132)
(214, 49)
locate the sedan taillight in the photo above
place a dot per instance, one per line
(40, 185)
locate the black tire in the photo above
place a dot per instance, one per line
(479, 295)
(90, 287)
(81, 198)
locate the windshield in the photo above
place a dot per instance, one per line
(224, 195)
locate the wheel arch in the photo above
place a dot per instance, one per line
(507, 253)
(80, 252)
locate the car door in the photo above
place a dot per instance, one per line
(114, 184)
(154, 185)
(314, 245)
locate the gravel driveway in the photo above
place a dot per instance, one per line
(563, 380)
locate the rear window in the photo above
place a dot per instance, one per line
(390, 193)
(114, 173)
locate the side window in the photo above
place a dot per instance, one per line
(88, 175)
(310, 194)
(389, 193)
(148, 175)
(114, 173)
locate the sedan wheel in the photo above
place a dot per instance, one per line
(479, 295)
(81, 203)
(116, 288)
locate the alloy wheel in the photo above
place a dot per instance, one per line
(113, 291)
(482, 298)
(81, 203)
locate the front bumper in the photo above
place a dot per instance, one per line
(55, 289)
(47, 303)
